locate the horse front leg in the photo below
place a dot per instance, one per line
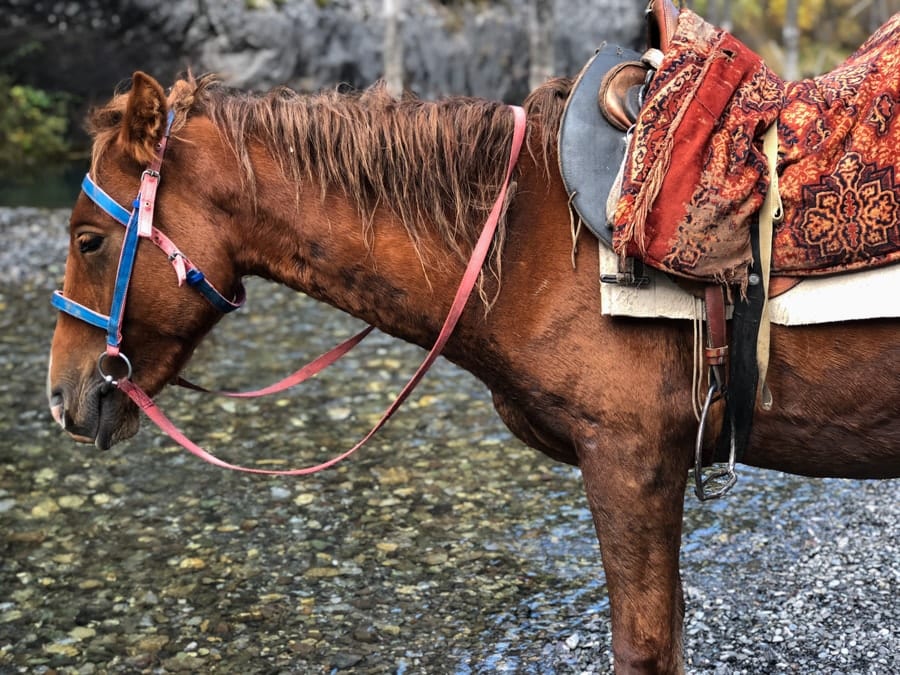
(636, 497)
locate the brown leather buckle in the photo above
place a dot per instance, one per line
(716, 356)
(717, 332)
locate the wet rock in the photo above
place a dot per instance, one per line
(184, 663)
(345, 660)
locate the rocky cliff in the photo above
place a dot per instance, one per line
(472, 47)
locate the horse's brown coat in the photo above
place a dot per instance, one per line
(377, 224)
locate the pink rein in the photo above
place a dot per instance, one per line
(476, 262)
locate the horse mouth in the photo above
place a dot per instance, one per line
(106, 419)
(105, 435)
(117, 419)
(78, 438)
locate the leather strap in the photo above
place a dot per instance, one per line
(743, 369)
(770, 213)
(314, 367)
(750, 326)
(717, 333)
(779, 285)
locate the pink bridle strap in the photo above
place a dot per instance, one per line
(473, 269)
(314, 367)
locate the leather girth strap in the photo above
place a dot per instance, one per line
(743, 369)
(749, 357)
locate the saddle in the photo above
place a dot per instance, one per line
(604, 104)
(647, 186)
(681, 125)
(622, 90)
(594, 143)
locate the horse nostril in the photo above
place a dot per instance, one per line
(58, 407)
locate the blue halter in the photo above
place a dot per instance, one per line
(138, 223)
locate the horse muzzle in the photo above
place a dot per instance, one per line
(92, 412)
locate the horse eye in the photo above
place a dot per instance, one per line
(88, 243)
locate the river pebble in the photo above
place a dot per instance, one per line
(443, 546)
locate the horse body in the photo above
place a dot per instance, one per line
(611, 396)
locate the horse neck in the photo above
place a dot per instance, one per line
(384, 266)
(369, 267)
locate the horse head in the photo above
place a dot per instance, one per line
(286, 186)
(153, 320)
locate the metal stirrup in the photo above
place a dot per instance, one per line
(716, 481)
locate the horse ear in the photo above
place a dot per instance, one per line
(145, 118)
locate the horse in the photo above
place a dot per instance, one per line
(372, 204)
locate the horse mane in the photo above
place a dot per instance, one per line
(439, 162)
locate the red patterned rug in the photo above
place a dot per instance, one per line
(840, 164)
(696, 175)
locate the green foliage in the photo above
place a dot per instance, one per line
(33, 125)
(829, 30)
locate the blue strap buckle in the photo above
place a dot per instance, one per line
(194, 277)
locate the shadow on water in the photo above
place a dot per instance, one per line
(442, 546)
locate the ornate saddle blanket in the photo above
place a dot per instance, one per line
(696, 176)
(840, 164)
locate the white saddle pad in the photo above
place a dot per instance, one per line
(848, 297)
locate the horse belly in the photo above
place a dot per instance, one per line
(836, 395)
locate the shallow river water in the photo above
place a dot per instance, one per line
(443, 546)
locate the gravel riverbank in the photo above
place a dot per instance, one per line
(443, 547)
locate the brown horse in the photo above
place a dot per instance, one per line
(372, 205)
